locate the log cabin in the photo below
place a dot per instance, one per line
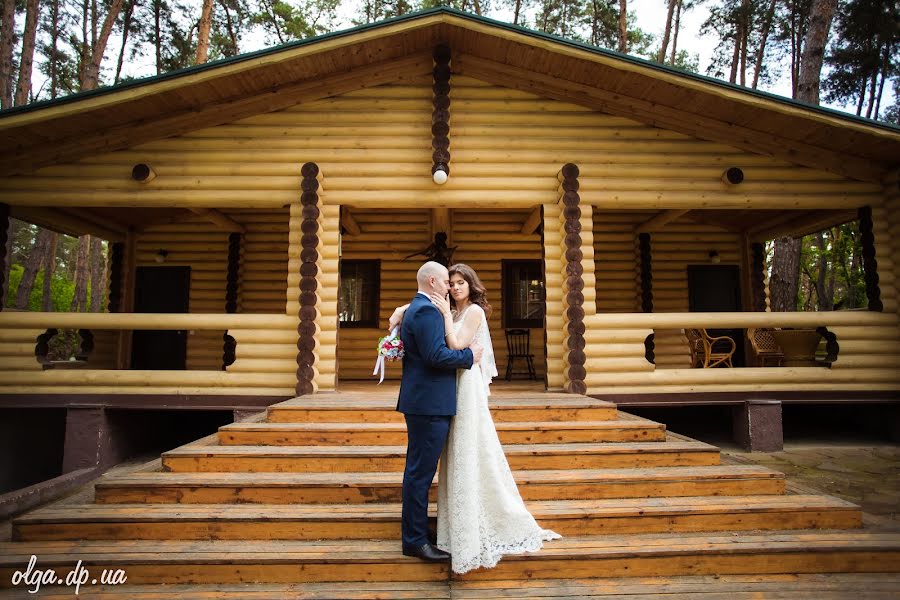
(267, 212)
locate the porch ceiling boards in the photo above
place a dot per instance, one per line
(272, 79)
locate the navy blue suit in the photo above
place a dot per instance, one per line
(428, 400)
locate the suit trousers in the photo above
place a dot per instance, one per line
(426, 436)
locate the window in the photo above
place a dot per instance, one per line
(523, 293)
(359, 293)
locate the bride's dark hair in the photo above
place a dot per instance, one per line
(477, 291)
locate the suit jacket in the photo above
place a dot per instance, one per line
(428, 383)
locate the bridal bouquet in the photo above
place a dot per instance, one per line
(390, 347)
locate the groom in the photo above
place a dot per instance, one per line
(428, 400)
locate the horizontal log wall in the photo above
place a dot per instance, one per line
(676, 246)
(202, 246)
(485, 237)
(260, 337)
(481, 237)
(555, 303)
(616, 260)
(869, 356)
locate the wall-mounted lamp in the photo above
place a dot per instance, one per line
(143, 173)
(733, 175)
(439, 173)
(161, 255)
(714, 257)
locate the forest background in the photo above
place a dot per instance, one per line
(840, 52)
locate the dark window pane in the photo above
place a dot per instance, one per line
(523, 294)
(359, 292)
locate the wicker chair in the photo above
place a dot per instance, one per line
(709, 351)
(765, 347)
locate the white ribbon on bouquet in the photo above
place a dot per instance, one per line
(379, 363)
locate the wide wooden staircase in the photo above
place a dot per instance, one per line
(305, 503)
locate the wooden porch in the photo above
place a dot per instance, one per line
(309, 492)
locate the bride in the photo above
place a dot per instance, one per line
(481, 515)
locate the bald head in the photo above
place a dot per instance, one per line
(433, 277)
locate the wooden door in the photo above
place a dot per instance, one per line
(717, 288)
(161, 290)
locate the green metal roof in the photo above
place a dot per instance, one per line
(464, 15)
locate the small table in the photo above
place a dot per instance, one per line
(799, 346)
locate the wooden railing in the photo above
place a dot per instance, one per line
(266, 352)
(869, 357)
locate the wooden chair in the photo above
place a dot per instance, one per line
(709, 351)
(764, 346)
(518, 345)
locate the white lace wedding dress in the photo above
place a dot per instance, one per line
(481, 515)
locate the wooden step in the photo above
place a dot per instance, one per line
(359, 408)
(829, 586)
(703, 554)
(281, 561)
(324, 459)
(324, 488)
(367, 434)
(382, 521)
(395, 590)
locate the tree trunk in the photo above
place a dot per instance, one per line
(516, 12)
(98, 284)
(785, 280)
(825, 296)
(54, 48)
(623, 27)
(735, 56)
(661, 57)
(884, 70)
(478, 8)
(157, 34)
(203, 32)
(36, 259)
(126, 26)
(7, 34)
(764, 38)
(820, 15)
(23, 87)
(49, 269)
(79, 298)
(92, 71)
(675, 29)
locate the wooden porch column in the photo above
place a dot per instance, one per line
(757, 425)
(573, 284)
(309, 257)
(5, 252)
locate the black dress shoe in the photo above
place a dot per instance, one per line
(427, 552)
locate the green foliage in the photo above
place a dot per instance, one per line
(831, 270)
(283, 22)
(866, 47)
(61, 290)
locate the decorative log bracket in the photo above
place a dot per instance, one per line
(575, 328)
(309, 256)
(440, 117)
